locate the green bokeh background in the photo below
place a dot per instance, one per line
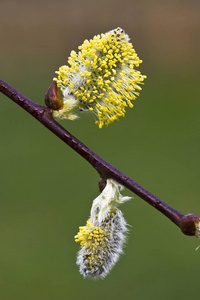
(47, 189)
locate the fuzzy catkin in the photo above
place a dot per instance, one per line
(103, 237)
(102, 245)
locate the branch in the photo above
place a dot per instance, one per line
(189, 224)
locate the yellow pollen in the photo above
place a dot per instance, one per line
(89, 235)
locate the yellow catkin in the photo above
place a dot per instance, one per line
(101, 77)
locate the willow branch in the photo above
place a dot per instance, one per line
(187, 223)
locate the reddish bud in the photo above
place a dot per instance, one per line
(53, 99)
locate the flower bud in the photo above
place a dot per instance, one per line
(53, 99)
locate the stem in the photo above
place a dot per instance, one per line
(105, 170)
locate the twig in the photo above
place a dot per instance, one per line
(187, 223)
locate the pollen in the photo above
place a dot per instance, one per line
(89, 235)
(101, 77)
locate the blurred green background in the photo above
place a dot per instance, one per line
(47, 189)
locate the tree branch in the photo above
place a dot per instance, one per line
(187, 223)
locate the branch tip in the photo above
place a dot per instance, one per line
(190, 225)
